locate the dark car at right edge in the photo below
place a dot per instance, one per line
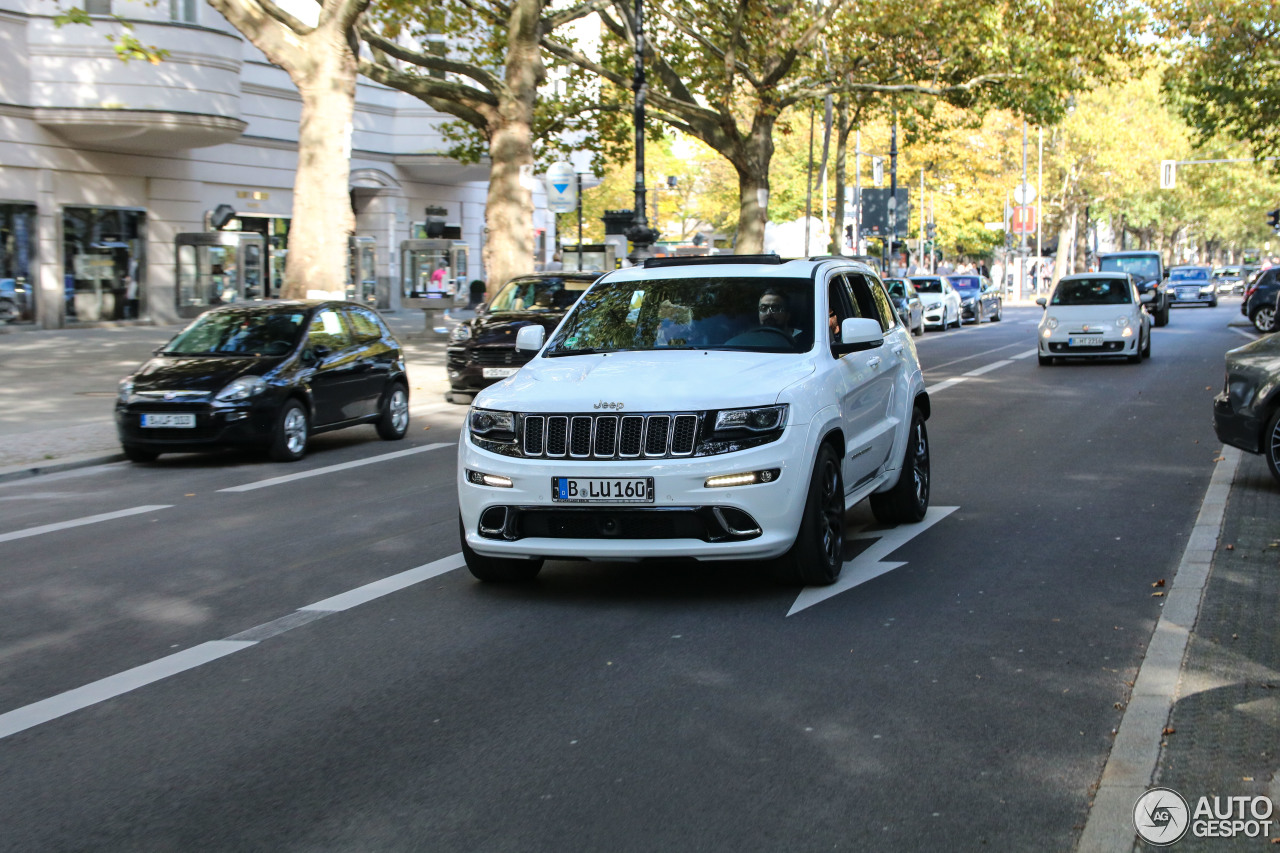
(1246, 414)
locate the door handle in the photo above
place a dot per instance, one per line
(897, 350)
(874, 361)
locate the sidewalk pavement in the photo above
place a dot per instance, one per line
(1217, 727)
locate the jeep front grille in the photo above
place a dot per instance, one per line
(652, 436)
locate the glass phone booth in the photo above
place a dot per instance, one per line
(435, 269)
(362, 272)
(218, 267)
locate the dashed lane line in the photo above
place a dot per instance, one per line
(329, 469)
(47, 710)
(978, 371)
(80, 522)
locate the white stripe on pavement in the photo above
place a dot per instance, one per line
(114, 685)
(1026, 354)
(386, 586)
(80, 522)
(946, 383)
(329, 469)
(990, 367)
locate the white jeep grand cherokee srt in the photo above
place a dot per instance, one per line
(730, 407)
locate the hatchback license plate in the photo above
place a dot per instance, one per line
(630, 490)
(1085, 341)
(184, 421)
(498, 372)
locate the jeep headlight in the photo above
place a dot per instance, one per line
(492, 425)
(761, 419)
(241, 389)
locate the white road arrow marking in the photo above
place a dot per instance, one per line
(870, 563)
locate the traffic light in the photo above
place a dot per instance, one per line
(930, 230)
(1273, 219)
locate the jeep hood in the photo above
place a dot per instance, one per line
(678, 381)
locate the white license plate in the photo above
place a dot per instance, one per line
(1188, 293)
(613, 490)
(187, 421)
(497, 372)
(1085, 341)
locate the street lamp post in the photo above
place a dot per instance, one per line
(640, 234)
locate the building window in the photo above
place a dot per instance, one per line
(97, 7)
(104, 263)
(17, 259)
(183, 11)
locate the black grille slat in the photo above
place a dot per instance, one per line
(557, 435)
(683, 435)
(609, 436)
(606, 436)
(632, 432)
(580, 437)
(657, 431)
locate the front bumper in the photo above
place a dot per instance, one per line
(216, 426)
(935, 315)
(1192, 295)
(685, 518)
(1065, 344)
(467, 367)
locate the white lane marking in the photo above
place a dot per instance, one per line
(80, 522)
(971, 357)
(995, 365)
(870, 563)
(946, 383)
(115, 685)
(1243, 333)
(329, 469)
(112, 686)
(386, 586)
(1025, 354)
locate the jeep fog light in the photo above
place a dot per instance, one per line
(747, 478)
(479, 478)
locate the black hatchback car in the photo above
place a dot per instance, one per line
(482, 351)
(265, 374)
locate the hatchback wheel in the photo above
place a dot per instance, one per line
(908, 500)
(289, 439)
(1264, 319)
(393, 421)
(817, 555)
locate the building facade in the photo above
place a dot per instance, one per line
(139, 191)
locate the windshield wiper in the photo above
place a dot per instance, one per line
(586, 351)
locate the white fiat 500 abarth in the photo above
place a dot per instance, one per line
(721, 408)
(1094, 315)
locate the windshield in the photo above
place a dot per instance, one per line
(1188, 274)
(927, 285)
(966, 284)
(1144, 267)
(246, 332)
(897, 288)
(538, 294)
(1092, 291)
(768, 314)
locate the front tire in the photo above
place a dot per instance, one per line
(1162, 316)
(289, 438)
(393, 421)
(497, 569)
(908, 501)
(817, 555)
(996, 317)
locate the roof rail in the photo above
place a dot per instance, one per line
(702, 260)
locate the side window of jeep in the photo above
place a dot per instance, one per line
(871, 300)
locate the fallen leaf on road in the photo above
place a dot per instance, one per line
(1220, 459)
(1229, 547)
(1159, 582)
(1168, 730)
(1157, 595)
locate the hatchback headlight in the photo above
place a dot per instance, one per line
(460, 333)
(125, 390)
(1051, 323)
(496, 426)
(762, 419)
(242, 389)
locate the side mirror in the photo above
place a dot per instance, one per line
(858, 334)
(315, 353)
(1042, 302)
(531, 337)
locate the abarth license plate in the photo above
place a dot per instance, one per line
(1085, 341)
(497, 372)
(182, 421)
(613, 490)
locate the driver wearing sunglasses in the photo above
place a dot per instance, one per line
(775, 311)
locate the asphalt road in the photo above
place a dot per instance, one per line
(218, 667)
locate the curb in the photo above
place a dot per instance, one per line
(1135, 754)
(23, 472)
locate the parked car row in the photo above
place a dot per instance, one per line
(944, 301)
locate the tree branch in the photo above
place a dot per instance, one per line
(435, 63)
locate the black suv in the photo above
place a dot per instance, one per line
(1259, 303)
(482, 351)
(1147, 269)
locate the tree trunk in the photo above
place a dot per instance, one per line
(508, 215)
(752, 163)
(322, 215)
(842, 153)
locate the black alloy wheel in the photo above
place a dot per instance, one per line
(497, 569)
(817, 555)
(908, 501)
